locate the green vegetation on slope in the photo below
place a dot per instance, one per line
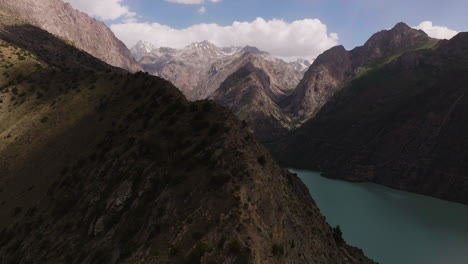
(379, 63)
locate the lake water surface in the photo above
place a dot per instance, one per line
(392, 227)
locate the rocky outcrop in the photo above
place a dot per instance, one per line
(86, 33)
(324, 78)
(204, 71)
(400, 125)
(334, 68)
(248, 93)
(126, 170)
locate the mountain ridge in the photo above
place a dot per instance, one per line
(126, 170)
(84, 32)
(199, 60)
(398, 125)
(333, 68)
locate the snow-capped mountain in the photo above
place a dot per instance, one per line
(141, 49)
(249, 81)
(199, 62)
(301, 65)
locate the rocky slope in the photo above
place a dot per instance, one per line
(334, 68)
(200, 68)
(401, 125)
(205, 71)
(86, 33)
(248, 93)
(103, 166)
(186, 67)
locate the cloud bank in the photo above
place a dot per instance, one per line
(299, 39)
(103, 9)
(438, 32)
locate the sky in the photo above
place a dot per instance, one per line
(288, 29)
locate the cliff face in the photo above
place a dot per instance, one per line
(334, 68)
(323, 79)
(103, 166)
(249, 93)
(85, 33)
(400, 125)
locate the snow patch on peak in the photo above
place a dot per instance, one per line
(144, 46)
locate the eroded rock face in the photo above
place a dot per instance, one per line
(323, 79)
(84, 32)
(199, 69)
(331, 70)
(205, 71)
(250, 93)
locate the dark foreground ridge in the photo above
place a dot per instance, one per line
(103, 166)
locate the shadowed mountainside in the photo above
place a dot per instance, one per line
(402, 125)
(103, 166)
(248, 93)
(333, 69)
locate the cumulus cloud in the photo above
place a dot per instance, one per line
(438, 32)
(192, 2)
(299, 39)
(103, 9)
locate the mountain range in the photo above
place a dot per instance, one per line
(201, 69)
(397, 121)
(273, 97)
(193, 68)
(104, 165)
(316, 125)
(100, 165)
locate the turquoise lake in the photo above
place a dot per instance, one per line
(392, 227)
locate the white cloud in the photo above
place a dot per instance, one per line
(438, 32)
(103, 9)
(302, 38)
(192, 2)
(202, 10)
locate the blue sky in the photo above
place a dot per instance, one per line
(166, 23)
(354, 20)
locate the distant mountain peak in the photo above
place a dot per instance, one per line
(401, 25)
(145, 45)
(253, 50)
(142, 47)
(203, 45)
